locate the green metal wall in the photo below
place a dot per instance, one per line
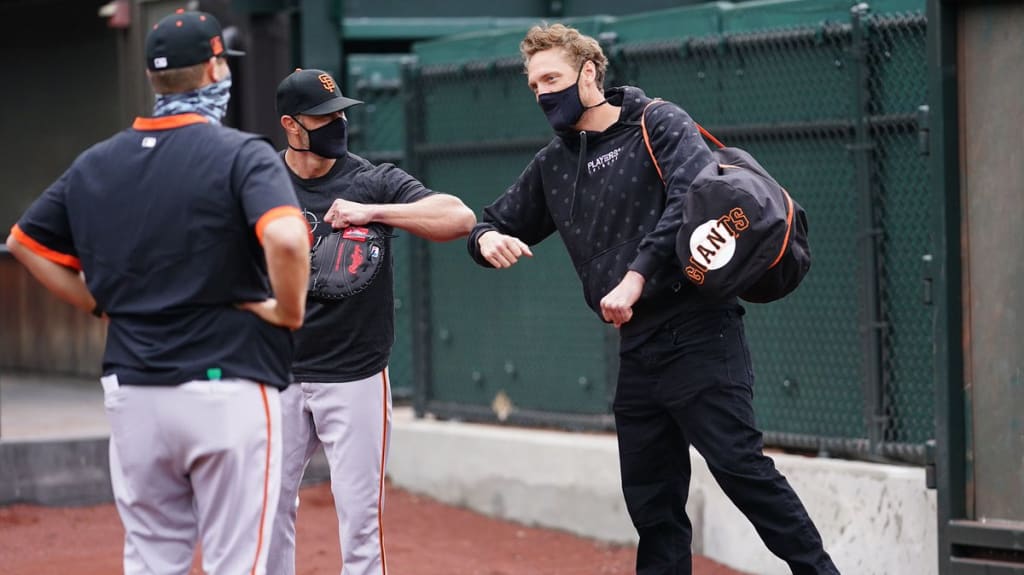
(508, 8)
(523, 337)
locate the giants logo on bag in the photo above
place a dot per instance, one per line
(713, 244)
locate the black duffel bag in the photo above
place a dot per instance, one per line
(742, 234)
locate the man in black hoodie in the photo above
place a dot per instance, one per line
(685, 375)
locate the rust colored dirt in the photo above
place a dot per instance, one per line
(423, 537)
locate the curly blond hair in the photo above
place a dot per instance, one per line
(578, 47)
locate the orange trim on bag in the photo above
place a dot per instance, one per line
(647, 138)
(266, 480)
(66, 260)
(714, 140)
(168, 122)
(789, 227)
(708, 135)
(383, 462)
(275, 213)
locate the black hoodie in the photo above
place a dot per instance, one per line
(602, 194)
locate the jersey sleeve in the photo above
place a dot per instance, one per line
(45, 229)
(396, 186)
(521, 212)
(680, 150)
(262, 186)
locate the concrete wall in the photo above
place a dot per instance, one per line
(874, 518)
(62, 472)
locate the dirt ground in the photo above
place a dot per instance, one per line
(422, 537)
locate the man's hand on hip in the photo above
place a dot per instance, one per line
(270, 312)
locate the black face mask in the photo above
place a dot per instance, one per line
(564, 107)
(327, 141)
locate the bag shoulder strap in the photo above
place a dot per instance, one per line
(647, 137)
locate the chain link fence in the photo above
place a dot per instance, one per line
(831, 108)
(897, 87)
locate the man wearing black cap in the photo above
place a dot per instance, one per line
(342, 398)
(189, 238)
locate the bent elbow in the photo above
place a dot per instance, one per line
(290, 239)
(468, 222)
(296, 247)
(463, 221)
(17, 249)
(13, 245)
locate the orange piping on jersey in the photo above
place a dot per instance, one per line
(39, 249)
(168, 122)
(278, 212)
(383, 461)
(266, 480)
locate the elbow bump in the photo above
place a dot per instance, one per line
(467, 222)
(457, 223)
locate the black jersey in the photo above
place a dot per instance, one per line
(350, 339)
(165, 219)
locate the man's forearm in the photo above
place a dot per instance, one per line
(437, 218)
(286, 244)
(64, 282)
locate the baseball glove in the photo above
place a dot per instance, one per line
(345, 262)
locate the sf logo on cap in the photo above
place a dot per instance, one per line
(327, 81)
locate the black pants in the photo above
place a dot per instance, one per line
(691, 383)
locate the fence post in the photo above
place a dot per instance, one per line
(614, 76)
(419, 264)
(321, 41)
(869, 240)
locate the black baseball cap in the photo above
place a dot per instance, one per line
(185, 39)
(312, 92)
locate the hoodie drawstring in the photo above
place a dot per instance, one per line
(579, 174)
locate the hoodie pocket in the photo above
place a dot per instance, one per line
(603, 271)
